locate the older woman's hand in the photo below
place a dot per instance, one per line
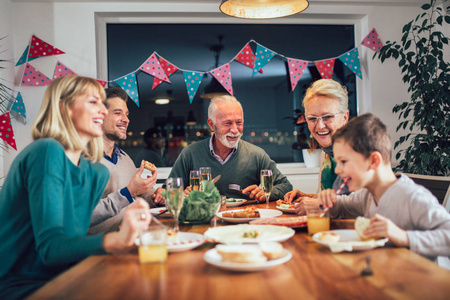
(136, 218)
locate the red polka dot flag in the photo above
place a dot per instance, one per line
(153, 67)
(325, 67)
(40, 48)
(372, 41)
(6, 130)
(169, 69)
(296, 68)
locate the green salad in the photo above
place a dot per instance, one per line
(200, 206)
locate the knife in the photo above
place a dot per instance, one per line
(216, 178)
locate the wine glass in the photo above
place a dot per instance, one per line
(205, 174)
(194, 180)
(174, 198)
(266, 184)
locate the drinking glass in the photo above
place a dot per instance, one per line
(205, 174)
(174, 198)
(267, 184)
(194, 180)
(152, 244)
(316, 223)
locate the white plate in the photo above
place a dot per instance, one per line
(186, 241)
(264, 213)
(157, 210)
(286, 210)
(234, 234)
(237, 203)
(214, 258)
(349, 241)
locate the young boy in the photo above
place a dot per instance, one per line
(406, 213)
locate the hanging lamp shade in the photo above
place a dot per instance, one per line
(262, 9)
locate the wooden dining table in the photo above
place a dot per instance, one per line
(313, 272)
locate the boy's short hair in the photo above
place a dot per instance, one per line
(366, 134)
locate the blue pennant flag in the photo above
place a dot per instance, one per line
(351, 60)
(129, 84)
(262, 57)
(23, 58)
(19, 107)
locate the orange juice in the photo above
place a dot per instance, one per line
(154, 253)
(316, 224)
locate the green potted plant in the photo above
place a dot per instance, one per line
(427, 114)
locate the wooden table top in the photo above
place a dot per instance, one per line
(312, 273)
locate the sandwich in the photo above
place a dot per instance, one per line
(240, 254)
(361, 225)
(329, 237)
(149, 166)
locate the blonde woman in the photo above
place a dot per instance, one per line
(326, 110)
(52, 187)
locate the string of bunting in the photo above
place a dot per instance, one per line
(161, 69)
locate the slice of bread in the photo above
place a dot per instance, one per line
(361, 225)
(149, 166)
(240, 254)
(272, 250)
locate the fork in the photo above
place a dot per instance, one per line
(367, 271)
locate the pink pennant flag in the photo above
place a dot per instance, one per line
(246, 57)
(40, 48)
(153, 67)
(169, 69)
(102, 82)
(296, 68)
(61, 70)
(325, 67)
(372, 41)
(6, 130)
(223, 76)
(31, 76)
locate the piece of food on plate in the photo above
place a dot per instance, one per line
(149, 166)
(172, 235)
(300, 221)
(285, 205)
(253, 234)
(241, 254)
(361, 225)
(248, 212)
(272, 250)
(329, 237)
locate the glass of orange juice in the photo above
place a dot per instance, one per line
(316, 223)
(152, 245)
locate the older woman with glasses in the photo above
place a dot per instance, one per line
(326, 110)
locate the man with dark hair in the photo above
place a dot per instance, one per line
(125, 182)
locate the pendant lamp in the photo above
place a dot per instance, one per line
(262, 9)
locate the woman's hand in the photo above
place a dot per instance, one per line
(136, 218)
(383, 227)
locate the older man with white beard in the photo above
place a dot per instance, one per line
(237, 161)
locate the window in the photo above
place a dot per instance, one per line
(267, 98)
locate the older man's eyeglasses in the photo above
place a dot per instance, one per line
(326, 119)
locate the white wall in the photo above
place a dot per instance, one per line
(78, 29)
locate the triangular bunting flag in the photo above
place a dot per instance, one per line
(169, 69)
(102, 82)
(152, 66)
(31, 76)
(6, 130)
(129, 85)
(372, 41)
(40, 48)
(262, 57)
(61, 70)
(246, 57)
(351, 60)
(23, 58)
(192, 80)
(325, 67)
(19, 107)
(223, 76)
(296, 68)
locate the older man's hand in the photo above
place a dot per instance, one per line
(254, 192)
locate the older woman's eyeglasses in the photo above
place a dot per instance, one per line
(326, 119)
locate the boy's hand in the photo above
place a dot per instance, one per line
(383, 227)
(327, 198)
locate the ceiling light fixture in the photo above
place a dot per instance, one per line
(262, 9)
(214, 88)
(162, 101)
